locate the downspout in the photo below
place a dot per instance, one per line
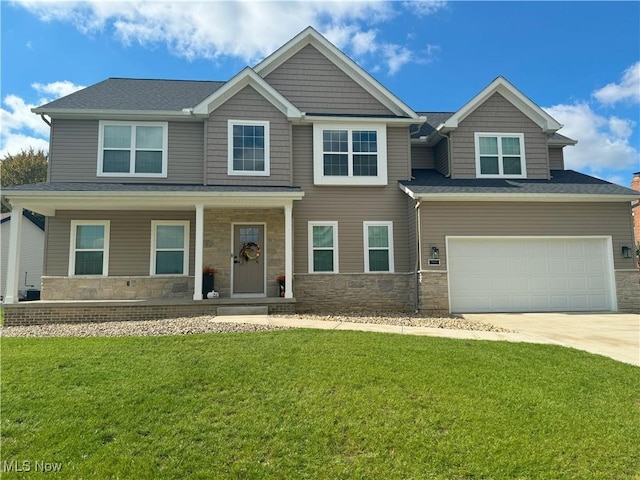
(418, 265)
(44, 119)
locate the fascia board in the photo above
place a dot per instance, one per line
(340, 119)
(247, 77)
(525, 197)
(115, 114)
(310, 36)
(48, 203)
(511, 93)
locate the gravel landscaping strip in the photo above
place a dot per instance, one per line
(174, 326)
(406, 320)
(207, 324)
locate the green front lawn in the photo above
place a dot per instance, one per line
(316, 404)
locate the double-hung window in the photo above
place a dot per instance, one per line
(500, 155)
(378, 247)
(248, 147)
(323, 247)
(346, 154)
(169, 247)
(89, 251)
(132, 149)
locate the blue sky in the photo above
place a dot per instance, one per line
(578, 60)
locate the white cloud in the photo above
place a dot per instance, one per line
(246, 29)
(19, 127)
(628, 89)
(603, 142)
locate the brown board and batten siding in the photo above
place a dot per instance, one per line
(74, 153)
(498, 115)
(248, 104)
(350, 206)
(315, 85)
(439, 219)
(129, 242)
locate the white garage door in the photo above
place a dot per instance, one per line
(524, 274)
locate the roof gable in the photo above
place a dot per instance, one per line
(500, 85)
(247, 77)
(310, 36)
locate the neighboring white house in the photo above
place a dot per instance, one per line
(31, 252)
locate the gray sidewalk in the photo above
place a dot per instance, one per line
(549, 329)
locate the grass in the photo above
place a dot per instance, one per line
(317, 404)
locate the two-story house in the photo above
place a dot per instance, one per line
(306, 167)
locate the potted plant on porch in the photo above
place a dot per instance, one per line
(281, 283)
(208, 279)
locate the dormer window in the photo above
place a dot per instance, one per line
(132, 149)
(500, 155)
(345, 154)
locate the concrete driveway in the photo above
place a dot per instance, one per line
(615, 335)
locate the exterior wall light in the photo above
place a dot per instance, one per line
(435, 253)
(626, 251)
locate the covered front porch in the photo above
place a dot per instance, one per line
(218, 224)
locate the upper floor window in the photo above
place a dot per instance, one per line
(89, 250)
(248, 147)
(500, 155)
(345, 154)
(132, 149)
(169, 247)
(378, 246)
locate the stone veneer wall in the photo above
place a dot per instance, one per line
(117, 288)
(39, 313)
(628, 290)
(357, 292)
(434, 293)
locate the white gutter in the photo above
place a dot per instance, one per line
(340, 119)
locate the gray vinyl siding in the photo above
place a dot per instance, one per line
(421, 156)
(74, 153)
(412, 229)
(248, 104)
(441, 156)
(314, 84)
(556, 159)
(351, 206)
(439, 219)
(497, 114)
(130, 239)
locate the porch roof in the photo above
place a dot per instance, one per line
(46, 198)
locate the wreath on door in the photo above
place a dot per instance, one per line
(250, 251)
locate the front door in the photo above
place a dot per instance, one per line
(248, 260)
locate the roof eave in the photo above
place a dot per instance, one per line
(88, 113)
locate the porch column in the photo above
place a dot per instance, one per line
(288, 251)
(197, 284)
(13, 259)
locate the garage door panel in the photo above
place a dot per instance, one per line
(529, 274)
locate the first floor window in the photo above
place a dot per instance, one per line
(169, 248)
(132, 149)
(248, 147)
(378, 246)
(323, 247)
(89, 252)
(500, 155)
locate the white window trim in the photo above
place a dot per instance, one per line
(185, 263)
(105, 249)
(336, 268)
(365, 229)
(319, 178)
(267, 148)
(132, 158)
(499, 135)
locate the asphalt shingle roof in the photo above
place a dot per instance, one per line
(137, 94)
(561, 182)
